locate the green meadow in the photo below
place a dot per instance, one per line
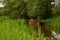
(18, 29)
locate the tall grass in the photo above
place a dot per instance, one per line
(53, 24)
(18, 30)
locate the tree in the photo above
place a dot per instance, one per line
(40, 8)
(46, 4)
(31, 8)
(19, 9)
(15, 8)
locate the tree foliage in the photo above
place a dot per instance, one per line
(31, 8)
(40, 8)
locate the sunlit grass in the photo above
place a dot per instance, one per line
(18, 30)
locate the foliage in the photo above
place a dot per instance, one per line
(53, 24)
(39, 8)
(31, 8)
(56, 11)
(14, 8)
(18, 30)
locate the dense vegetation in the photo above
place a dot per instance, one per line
(14, 15)
(18, 30)
(31, 8)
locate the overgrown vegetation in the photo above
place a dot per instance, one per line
(32, 8)
(14, 15)
(18, 30)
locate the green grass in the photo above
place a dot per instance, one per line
(53, 24)
(17, 29)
